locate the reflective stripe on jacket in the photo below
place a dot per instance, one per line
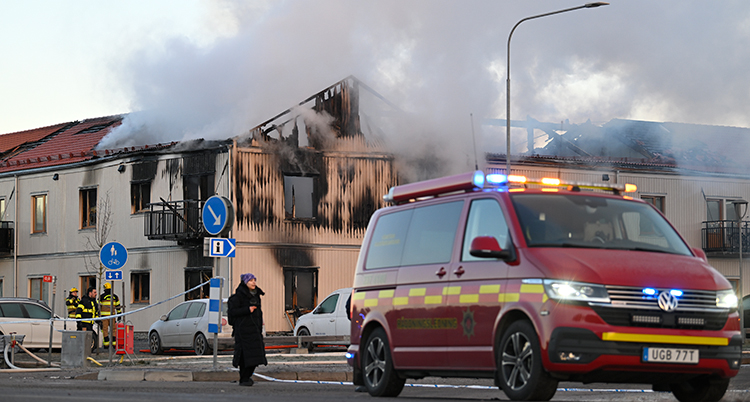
(87, 308)
(106, 304)
(72, 303)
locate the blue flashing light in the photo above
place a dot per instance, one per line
(479, 179)
(675, 292)
(349, 355)
(649, 291)
(497, 178)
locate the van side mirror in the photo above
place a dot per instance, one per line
(488, 247)
(699, 253)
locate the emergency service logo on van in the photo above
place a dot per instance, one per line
(468, 323)
(667, 301)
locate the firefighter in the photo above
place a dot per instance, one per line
(72, 302)
(110, 305)
(87, 309)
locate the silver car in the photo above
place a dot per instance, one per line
(34, 316)
(186, 327)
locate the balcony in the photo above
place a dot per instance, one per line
(6, 236)
(722, 237)
(174, 220)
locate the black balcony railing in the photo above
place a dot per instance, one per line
(6, 236)
(173, 220)
(724, 237)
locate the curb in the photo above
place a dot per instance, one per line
(208, 376)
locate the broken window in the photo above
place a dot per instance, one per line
(140, 284)
(193, 278)
(300, 290)
(198, 187)
(88, 208)
(140, 196)
(298, 197)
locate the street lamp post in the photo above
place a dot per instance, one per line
(507, 72)
(737, 209)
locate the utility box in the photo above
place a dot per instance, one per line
(124, 339)
(76, 348)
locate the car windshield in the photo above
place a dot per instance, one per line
(586, 221)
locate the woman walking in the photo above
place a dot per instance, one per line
(246, 318)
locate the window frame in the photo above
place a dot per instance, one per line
(137, 204)
(34, 212)
(43, 289)
(84, 200)
(137, 280)
(651, 199)
(291, 200)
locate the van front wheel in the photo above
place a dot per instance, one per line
(702, 389)
(519, 364)
(377, 366)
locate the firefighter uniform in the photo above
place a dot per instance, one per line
(87, 309)
(72, 302)
(109, 304)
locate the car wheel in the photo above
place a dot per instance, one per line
(305, 332)
(519, 361)
(154, 343)
(701, 389)
(200, 344)
(377, 366)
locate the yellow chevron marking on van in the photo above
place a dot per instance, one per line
(544, 298)
(508, 297)
(400, 301)
(433, 299)
(386, 294)
(360, 295)
(648, 338)
(485, 289)
(469, 299)
(527, 288)
(371, 303)
(452, 290)
(417, 291)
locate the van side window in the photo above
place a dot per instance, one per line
(485, 219)
(431, 235)
(388, 240)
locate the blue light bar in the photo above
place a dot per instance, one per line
(479, 179)
(649, 291)
(497, 178)
(675, 292)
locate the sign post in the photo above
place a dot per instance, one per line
(214, 313)
(113, 256)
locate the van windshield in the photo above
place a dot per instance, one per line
(586, 221)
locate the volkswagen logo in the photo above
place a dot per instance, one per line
(667, 302)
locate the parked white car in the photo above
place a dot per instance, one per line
(330, 317)
(34, 316)
(186, 327)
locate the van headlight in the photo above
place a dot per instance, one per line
(726, 299)
(575, 291)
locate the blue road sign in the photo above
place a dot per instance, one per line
(217, 214)
(113, 255)
(113, 275)
(222, 247)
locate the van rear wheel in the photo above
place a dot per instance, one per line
(377, 366)
(702, 389)
(519, 364)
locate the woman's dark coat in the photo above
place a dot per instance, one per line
(247, 327)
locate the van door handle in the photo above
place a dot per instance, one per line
(441, 272)
(460, 271)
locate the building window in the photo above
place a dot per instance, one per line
(655, 200)
(193, 278)
(88, 208)
(39, 215)
(298, 197)
(198, 187)
(1, 287)
(140, 285)
(300, 290)
(2, 209)
(86, 282)
(38, 289)
(140, 196)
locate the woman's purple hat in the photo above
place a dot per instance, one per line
(247, 277)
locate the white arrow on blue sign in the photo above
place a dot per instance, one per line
(113, 255)
(113, 275)
(216, 213)
(222, 247)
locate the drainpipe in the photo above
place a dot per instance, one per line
(15, 243)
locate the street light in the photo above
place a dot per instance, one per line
(738, 204)
(507, 72)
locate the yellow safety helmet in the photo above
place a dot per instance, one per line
(107, 285)
(73, 289)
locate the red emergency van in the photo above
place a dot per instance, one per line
(532, 283)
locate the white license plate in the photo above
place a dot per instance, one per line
(670, 355)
